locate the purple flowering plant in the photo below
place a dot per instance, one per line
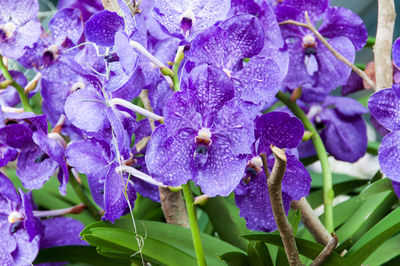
(196, 133)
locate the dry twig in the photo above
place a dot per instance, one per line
(383, 44)
(275, 193)
(326, 252)
(311, 221)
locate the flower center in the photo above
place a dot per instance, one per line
(254, 166)
(15, 217)
(50, 54)
(7, 31)
(187, 21)
(309, 44)
(203, 140)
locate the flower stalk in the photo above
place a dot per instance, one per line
(194, 226)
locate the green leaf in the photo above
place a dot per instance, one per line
(235, 259)
(376, 187)
(176, 241)
(378, 234)
(385, 252)
(258, 254)
(225, 219)
(306, 248)
(366, 216)
(76, 254)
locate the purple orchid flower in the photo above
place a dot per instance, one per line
(342, 128)
(40, 154)
(384, 107)
(310, 61)
(20, 230)
(251, 194)
(226, 45)
(66, 29)
(19, 27)
(95, 159)
(185, 19)
(206, 135)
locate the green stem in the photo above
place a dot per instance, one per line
(24, 98)
(194, 227)
(175, 67)
(322, 156)
(83, 197)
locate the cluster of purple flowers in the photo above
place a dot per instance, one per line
(93, 63)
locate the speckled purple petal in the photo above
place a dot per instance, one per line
(385, 107)
(16, 136)
(32, 225)
(56, 152)
(296, 181)
(206, 13)
(209, 47)
(128, 16)
(34, 174)
(297, 72)
(285, 12)
(26, 250)
(212, 87)
(255, 206)
(245, 39)
(243, 6)
(170, 159)
(339, 21)
(279, 129)
(90, 103)
(114, 199)
(233, 124)
(128, 57)
(20, 11)
(66, 23)
(344, 137)
(7, 240)
(274, 45)
(345, 106)
(61, 231)
(102, 26)
(258, 81)
(121, 136)
(7, 154)
(315, 8)
(389, 156)
(180, 112)
(222, 170)
(331, 71)
(89, 157)
(5, 257)
(7, 189)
